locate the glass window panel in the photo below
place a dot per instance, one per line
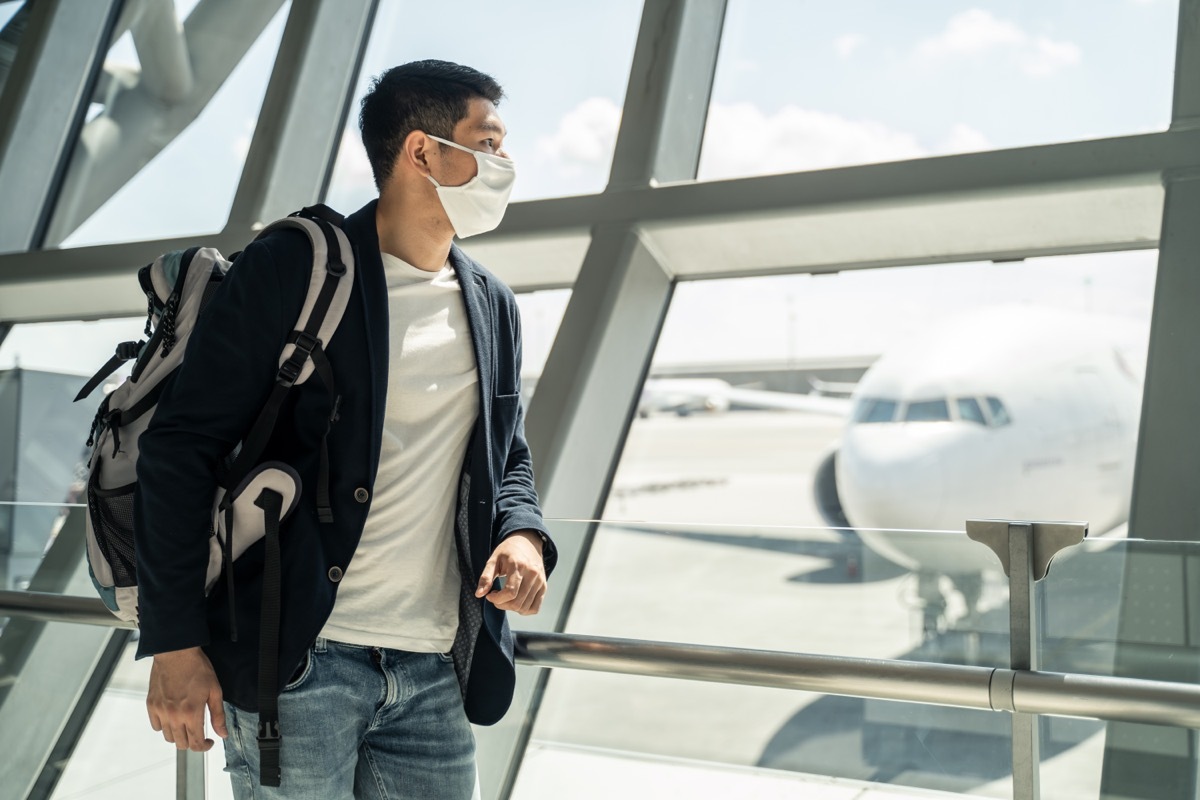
(1113, 606)
(759, 586)
(163, 148)
(42, 431)
(767, 515)
(541, 315)
(120, 756)
(14, 16)
(999, 412)
(969, 410)
(809, 85)
(564, 92)
(927, 411)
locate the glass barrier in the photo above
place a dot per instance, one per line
(1127, 608)
(811, 590)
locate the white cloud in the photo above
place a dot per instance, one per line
(846, 45)
(1048, 56)
(585, 136)
(742, 140)
(976, 32)
(964, 139)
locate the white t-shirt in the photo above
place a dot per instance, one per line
(401, 589)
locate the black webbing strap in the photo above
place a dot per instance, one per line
(256, 440)
(320, 211)
(271, 502)
(126, 351)
(324, 371)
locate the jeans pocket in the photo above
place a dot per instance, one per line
(302, 672)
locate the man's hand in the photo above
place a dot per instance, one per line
(518, 559)
(182, 683)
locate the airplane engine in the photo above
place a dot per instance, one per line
(825, 491)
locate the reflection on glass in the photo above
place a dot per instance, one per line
(564, 92)
(806, 85)
(170, 123)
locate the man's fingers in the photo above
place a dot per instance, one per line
(487, 578)
(194, 723)
(525, 596)
(216, 710)
(155, 722)
(536, 605)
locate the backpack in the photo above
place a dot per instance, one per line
(252, 498)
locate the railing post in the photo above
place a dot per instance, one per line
(1025, 550)
(191, 783)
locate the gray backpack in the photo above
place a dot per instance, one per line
(252, 497)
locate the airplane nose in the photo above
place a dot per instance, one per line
(892, 476)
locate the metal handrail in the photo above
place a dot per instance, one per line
(986, 688)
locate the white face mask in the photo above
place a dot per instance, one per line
(478, 205)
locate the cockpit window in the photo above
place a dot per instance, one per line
(999, 412)
(928, 411)
(969, 410)
(875, 409)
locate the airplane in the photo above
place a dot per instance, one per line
(1010, 412)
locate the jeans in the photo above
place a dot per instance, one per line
(359, 722)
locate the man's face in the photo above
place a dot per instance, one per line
(482, 130)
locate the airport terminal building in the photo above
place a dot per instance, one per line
(860, 374)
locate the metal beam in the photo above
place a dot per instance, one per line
(1158, 765)
(1051, 200)
(40, 108)
(304, 111)
(588, 391)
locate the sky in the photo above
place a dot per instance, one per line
(800, 85)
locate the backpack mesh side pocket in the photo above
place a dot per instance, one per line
(111, 512)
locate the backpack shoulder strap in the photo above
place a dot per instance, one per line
(330, 283)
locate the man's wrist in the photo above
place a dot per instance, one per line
(536, 538)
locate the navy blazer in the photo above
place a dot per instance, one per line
(211, 403)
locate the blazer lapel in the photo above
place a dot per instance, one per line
(479, 318)
(372, 290)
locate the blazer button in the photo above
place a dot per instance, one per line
(361, 495)
(335, 574)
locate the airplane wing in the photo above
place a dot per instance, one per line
(789, 401)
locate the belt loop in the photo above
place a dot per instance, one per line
(319, 645)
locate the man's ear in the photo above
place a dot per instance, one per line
(415, 151)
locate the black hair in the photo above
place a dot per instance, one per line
(431, 96)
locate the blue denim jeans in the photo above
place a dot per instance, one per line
(362, 722)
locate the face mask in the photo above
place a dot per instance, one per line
(478, 205)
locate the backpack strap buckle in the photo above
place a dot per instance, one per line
(289, 371)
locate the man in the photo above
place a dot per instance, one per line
(393, 629)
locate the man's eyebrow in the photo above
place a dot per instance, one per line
(491, 127)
